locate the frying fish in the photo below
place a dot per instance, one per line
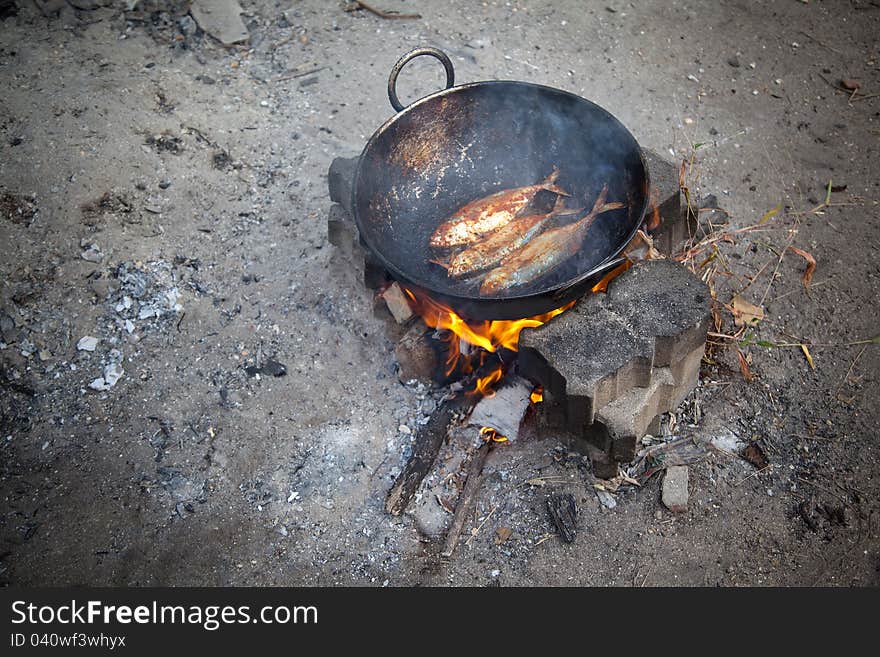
(545, 252)
(503, 242)
(474, 220)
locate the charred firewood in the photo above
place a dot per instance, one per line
(429, 439)
(563, 510)
(466, 500)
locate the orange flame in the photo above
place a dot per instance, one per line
(489, 335)
(488, 433)
(485, 383)
(537, 395)
(602, 286)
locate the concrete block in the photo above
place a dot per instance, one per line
(375, 275)
(604, 467)
(686, 375)
(666, 193)
(586, 356)
(627, 418)
(340, 180)
(675, 489)
(341, 231)
(661, 299)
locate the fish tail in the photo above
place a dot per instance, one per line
(559, 208)
(549, 183)
(600, 201)
(445, 265)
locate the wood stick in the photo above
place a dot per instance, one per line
(429, 438)
(466, 501)
(300, 74)
(385, 14)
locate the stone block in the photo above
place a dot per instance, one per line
(663, 301)
(341, 230)
(686, 375)
(627, 418)
(666, 194)
(675, 489)
(340, 180)
(587, 356)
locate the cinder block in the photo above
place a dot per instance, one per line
(627, 418)
(661, 299)
(603, 465)
(666, 193)
(686, 374)
(375, 275)
(587, 356)
(341, 230)
(340, 180)
(675, 489)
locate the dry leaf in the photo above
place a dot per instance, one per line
(811, 264)
(755, 455)
(744, 366)
(502, 534)
(745, 313)
(770, 214)
(809, 357)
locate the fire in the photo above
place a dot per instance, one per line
(602, 286)
(488, 335)
(485, 383)
(488, 433)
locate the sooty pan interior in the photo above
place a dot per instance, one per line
(472, 140)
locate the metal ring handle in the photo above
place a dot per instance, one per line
(418, 52)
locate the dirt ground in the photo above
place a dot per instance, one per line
(168, 196)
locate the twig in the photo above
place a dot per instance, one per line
(825, 490)
(466, 501)
(865, 97)
(385, 14)
(485, 520)
(824, 45)
(849, 371)
(301, 74)
(755, 473)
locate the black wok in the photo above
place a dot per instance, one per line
(471, 140)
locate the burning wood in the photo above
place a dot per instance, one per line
(504, 410)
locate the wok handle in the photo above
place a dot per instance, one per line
(412, 54)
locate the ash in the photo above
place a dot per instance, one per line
(147, 300)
